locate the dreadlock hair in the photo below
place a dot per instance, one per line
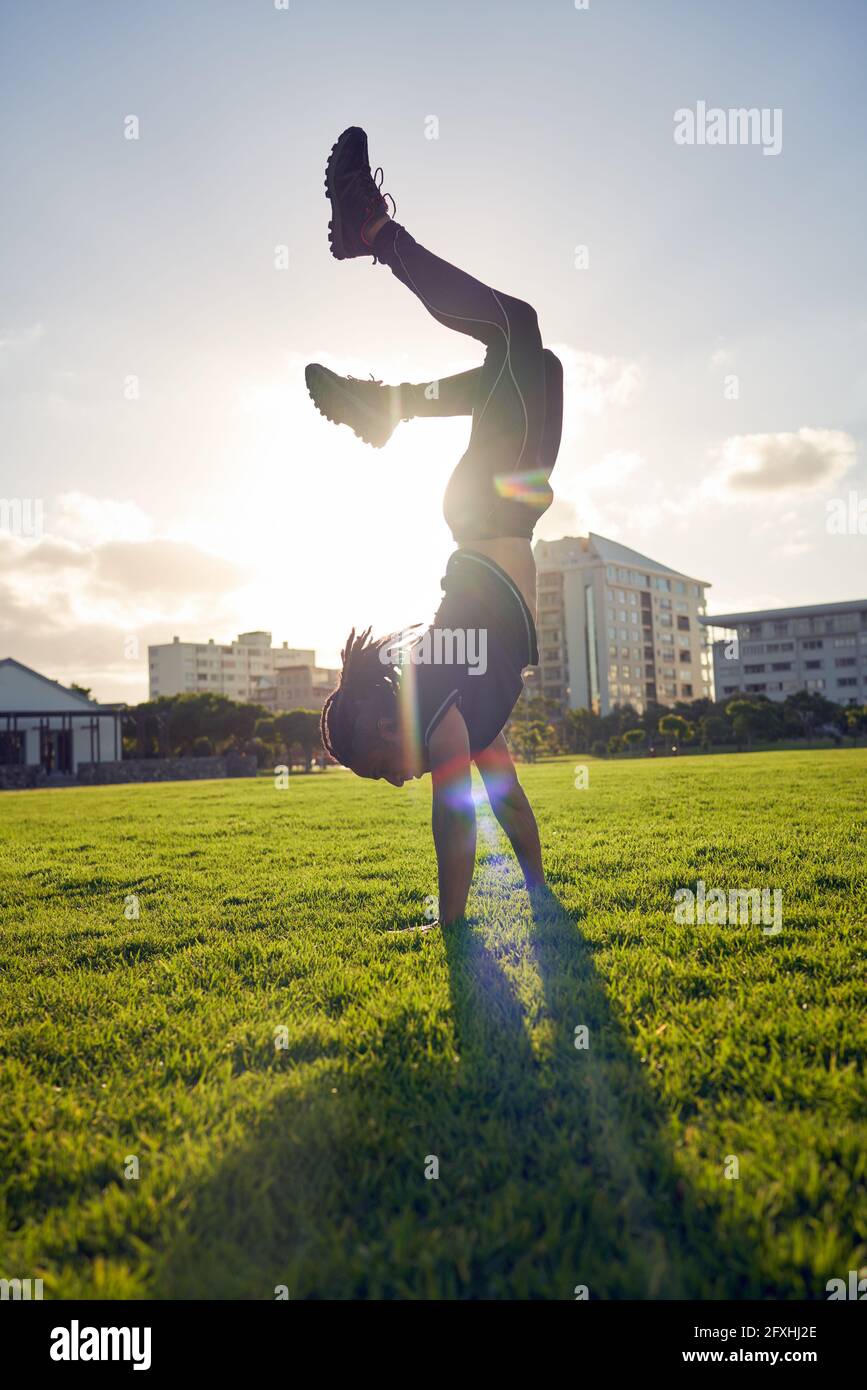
(367, 692)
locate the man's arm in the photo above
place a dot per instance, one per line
(510, 805)
(454, 815)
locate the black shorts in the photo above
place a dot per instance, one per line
(479, 598)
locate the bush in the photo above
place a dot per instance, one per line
(203, 747)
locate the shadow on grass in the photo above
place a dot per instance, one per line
(554, 1165)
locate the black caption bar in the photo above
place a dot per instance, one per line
(141, 1339)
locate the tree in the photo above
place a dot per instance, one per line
(84, 690)
(674, 726)
(615, 744)
(580, 729)
(197, 715)
(265, 740)
(742, 716)
(239, 722)
(633, 738)
(856, 722)
(713, 728)
(806, 710)
(754, 719)
(301, 727)
(527, 738)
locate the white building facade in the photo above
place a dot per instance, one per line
(615, 627)
(820, 648)
(298, 687)
(239, 669)
(43, 724)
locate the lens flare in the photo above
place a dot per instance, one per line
(411, 744)
(530, 486)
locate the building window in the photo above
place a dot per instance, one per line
(592, 668)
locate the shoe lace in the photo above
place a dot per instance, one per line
(365, 380)
(368, 186)
(377, 183)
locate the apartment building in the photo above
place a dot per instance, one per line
(616, 627)
(239, 669)
(298, 687)
(777, 651)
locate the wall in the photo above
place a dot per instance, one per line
(166, 769)
(16, 776)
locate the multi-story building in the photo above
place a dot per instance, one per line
(238, 669)
(774, 652)
(298, 687)
(617, 628)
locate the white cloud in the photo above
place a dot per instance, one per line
(593, 382)
(15, 342)
(611, 470)
(70, 600)
(86, 520)
(800, 542)
(785, 462)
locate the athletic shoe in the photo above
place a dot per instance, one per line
(368, 407)
(355, 194)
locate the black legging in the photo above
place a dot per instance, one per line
(500, 486)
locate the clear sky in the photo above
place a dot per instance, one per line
(152, 347)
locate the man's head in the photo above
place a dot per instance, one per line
(361, 724)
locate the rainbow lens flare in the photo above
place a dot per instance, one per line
(530, 486)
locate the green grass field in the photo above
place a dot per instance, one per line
(304, 1165)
